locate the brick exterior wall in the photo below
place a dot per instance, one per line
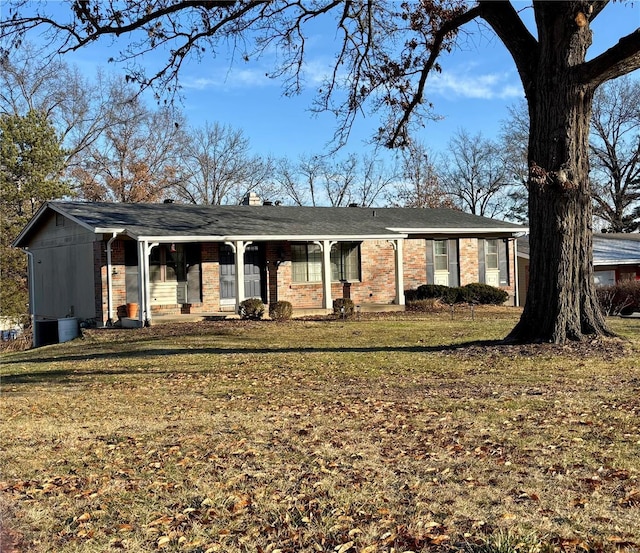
(415, 263)
(468, 260)
(378, 274)
(377, 284)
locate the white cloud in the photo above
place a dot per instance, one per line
(226, 78)
(465, 84)
(314, 72)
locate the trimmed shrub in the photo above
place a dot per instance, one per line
(430, 305)
(280, 310)
(620, 299)
(410, 295)
(451, 296)
(429, 291)
(346, 303)
(252, 308)
(484, 294)
(471, 293)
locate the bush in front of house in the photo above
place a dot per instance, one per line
(432, 291)
(471, 293)
(431, 305)
(252, 309)
(484, 294)
(620, 299)
(280, 310)
(343, 306)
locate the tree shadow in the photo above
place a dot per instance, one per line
(67, 375)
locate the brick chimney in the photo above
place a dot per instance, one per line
(251, 199)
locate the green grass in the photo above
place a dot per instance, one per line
(386, 434)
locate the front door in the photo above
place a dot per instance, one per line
(253, 270)
(227, 275)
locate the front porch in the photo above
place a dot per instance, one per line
(297, 313)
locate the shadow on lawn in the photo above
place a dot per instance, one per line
(66, 375)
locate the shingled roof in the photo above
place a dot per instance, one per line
(209, 222)
(608, 249)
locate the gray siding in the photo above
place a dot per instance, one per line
(64, 278)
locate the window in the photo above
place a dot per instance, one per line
(306, 262)
(491, 255)
(440, 255)
(604, 278)
(166, 263)
(442, 262)
(345, 261)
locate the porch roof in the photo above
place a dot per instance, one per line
(181, 222)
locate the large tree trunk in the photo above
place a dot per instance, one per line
(561, 301)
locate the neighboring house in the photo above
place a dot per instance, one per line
(616, 257)
(88, 259)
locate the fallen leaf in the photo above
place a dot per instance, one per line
(344, 547)
(437, 540)
(83, 517)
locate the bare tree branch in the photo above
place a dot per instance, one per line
(621, 59)
(506, 23)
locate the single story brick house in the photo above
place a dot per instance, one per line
(86, 260)
(616, 257)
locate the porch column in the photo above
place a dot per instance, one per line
(144, 288)
(147, 285)
(325, 246)
(142, 281)
(397, 246)
(238, 248)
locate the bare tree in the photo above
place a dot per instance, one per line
(135, 159)
(375, 178)
(514, 138)
(615, 154)
(304, 181)
(420, 184)
(319, 180)
(339, 180)
(218, 167)
(475, 175)
(75, 106)
(286, 177)
(387, 51)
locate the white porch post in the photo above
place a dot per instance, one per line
(110, 281)
(142, 279)
(147, 286)
(144, 289)
(238, 248)
(325, 246)
(516, 276)
(398, 247)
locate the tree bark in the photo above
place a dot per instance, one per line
(561, 301)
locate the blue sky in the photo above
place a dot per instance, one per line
(473, 92)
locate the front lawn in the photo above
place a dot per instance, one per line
(385, 434)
